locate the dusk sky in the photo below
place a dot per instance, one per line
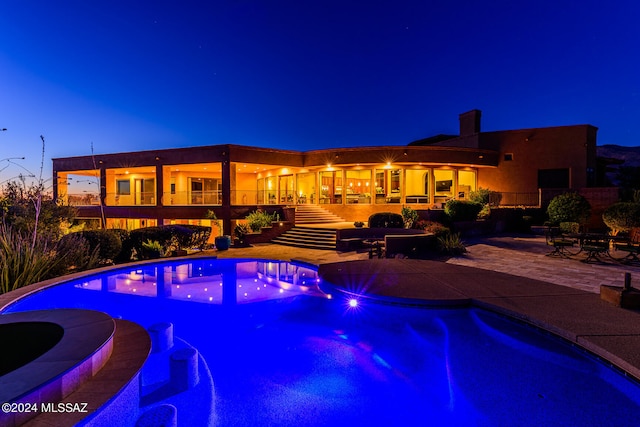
(293, 74)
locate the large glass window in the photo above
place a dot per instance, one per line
(466, 183)
(443, 185)
(331, 187)
(417, 186)
(123, 187)
(358, 186)
(388, 185)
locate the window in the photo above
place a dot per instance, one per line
(331, 187)
(417, 185)
(358, 186)
(123, 187)
(553, 178)
(466, 183)
(508, 157)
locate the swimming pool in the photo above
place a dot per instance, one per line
(282, 352)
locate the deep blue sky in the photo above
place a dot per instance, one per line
(293, 74)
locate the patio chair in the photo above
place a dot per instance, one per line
(594, 245)
(631, 246)
(559, 242)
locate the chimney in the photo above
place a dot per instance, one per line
(470, 123)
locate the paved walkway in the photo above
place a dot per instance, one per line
(526, 256)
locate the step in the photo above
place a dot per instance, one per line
(308, 237)
(306, 245)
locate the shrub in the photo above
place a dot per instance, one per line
(170, 237)
(24, 261)
(451, 244)
(569, 227)
(151, 249)
(258, 219)
(462, 210)
(432, 227)
(75, 254)
(240, 231)
(409, 216)
(480, 196)
(106, 242)
(386, 220)
(622, 216)
(569, 207)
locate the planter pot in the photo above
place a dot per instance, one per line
(179, 252)
(223, 243)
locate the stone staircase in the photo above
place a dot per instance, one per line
(314, 214)
(308, 237)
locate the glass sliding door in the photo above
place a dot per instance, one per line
(286, 189)
(306, 188)
(331, 187)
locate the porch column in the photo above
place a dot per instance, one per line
(226, 195)
(159, 193)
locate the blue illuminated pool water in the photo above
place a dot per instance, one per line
(281, 352)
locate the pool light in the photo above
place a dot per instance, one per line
(353, 303)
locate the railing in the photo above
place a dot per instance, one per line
(85, 199)
(190, 198)
(147, 198)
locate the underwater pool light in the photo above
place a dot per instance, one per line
(353, 303)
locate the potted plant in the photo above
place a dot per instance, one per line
(240, 232)
(222, 242)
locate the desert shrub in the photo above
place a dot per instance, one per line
(481, 195)
(622, 216)
(24, 261)
(451, 244)
(162, 235)
(432, 227)
(76, 255)
(199, 237)
(386, 220)
(569, 207)
(462, 210)
(169, 237)
(106, 242)
(409, 216)
(258, 219)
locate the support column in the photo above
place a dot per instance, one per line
(226, 194)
